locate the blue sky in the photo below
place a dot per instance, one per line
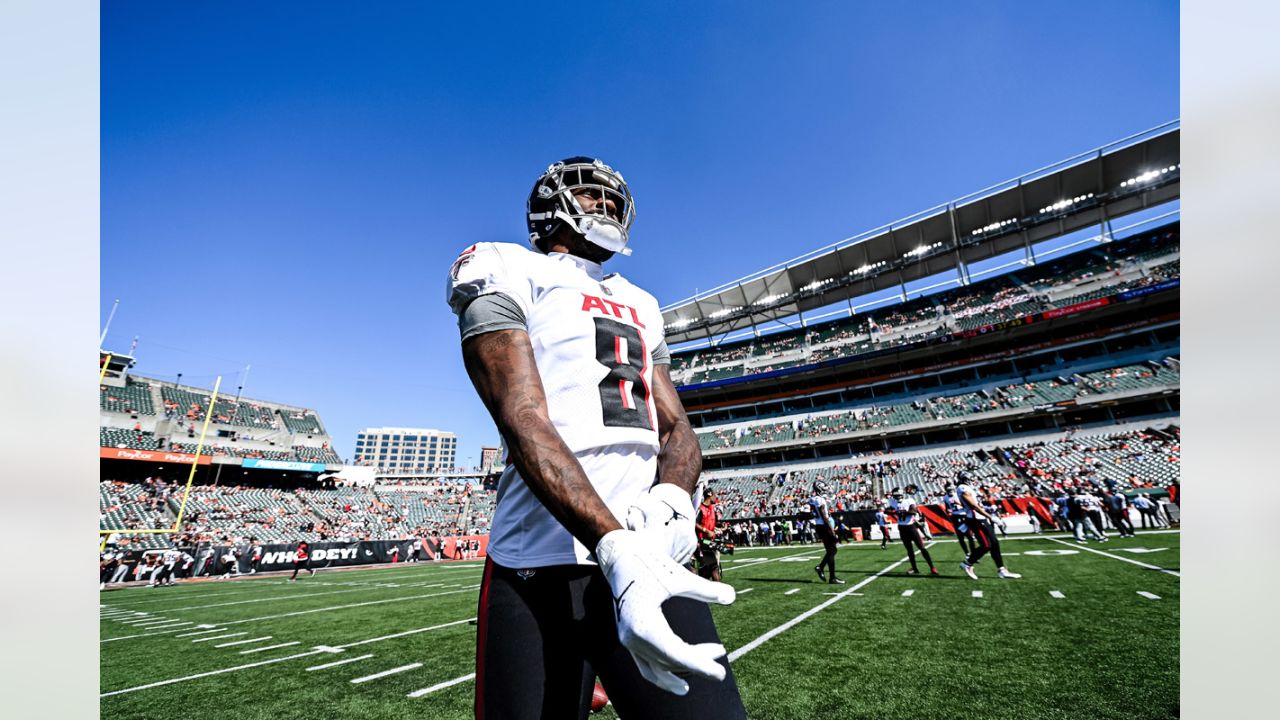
(284, 185)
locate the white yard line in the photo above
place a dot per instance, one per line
(243, 642)
(810, 612)
(762, 562)
(1131, 561)
(403, 634)
(977, 593)
(271, 647)
(908, 593)
(352, 605)
(745, 591)
(174, 625)
(441, 686)
(199, 632)
(384, 673)
(313, 610)
(219, 637)
(274, 598)
(336, 663)
(313, 651)
(1056, 595)
(197, 676)
(792, 591)
(1149, 596)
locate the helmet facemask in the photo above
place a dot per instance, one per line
(553, 203)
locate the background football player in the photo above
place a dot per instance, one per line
(982, 524)
(959, 519)
(904, 506)
(825, 528)
(571, 363)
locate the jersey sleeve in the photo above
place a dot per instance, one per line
(661, 354)
(487, 269)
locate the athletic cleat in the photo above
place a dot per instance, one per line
(1004, 573)
(836, 581)
(968, 570)
(933, 571)
(913, 571)
(822, 575)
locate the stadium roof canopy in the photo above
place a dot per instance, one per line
(1131, 174)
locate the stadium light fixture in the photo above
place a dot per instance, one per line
(994, 226)
(1150, 175)
(864, 269)
(815, 285)
(921, 250)
(1062, 204)
(769, 299)
(681, 323)
(723, 311)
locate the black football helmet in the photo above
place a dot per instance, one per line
(552, 204)
(820, 487)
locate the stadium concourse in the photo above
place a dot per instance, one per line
(1048, 380)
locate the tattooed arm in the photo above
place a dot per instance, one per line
(502, 368)
(679, 457)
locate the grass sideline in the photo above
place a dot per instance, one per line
(1101, 650)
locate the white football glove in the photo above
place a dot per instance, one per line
(664, 516)
(642, 578)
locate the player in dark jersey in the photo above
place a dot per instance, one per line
(826, 530)
(255, 555)
(302, 560)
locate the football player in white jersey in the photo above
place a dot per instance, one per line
(826, 530)
(904, 506)
(959, 521)
(981, 523)
(594, 516)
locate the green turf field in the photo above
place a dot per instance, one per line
(888, 646)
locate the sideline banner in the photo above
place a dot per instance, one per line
(280, 556)
(282, 465)
(153, 456)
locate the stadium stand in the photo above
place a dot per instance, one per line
(308, 453)
(301, 422)
(271, 515)
(131, 439)
(1073, 279)
(134, 398)
(1134, 377)
(1133, 459)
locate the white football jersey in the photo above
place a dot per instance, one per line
(906, 510)
(965, 510)
(593, 335)
(817, 504)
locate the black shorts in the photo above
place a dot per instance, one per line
(826, 535)
(910, 534)
(962, 524)
(543, 635)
